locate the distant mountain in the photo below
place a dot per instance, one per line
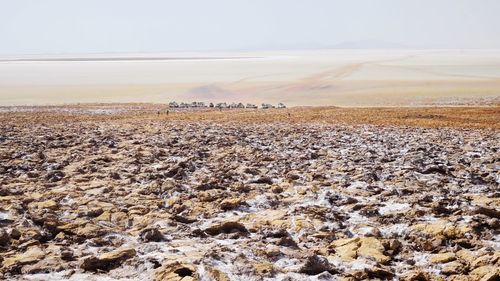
(369, 44)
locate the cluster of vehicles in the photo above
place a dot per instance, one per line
(221, 105)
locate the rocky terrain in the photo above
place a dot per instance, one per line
(147, 198)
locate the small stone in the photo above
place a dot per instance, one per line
(4, 237)
(316, 265)
(151, 235)
(264, 269)
(276, 189)
(230, 203)
(216, 274)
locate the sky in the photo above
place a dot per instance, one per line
(126, 26)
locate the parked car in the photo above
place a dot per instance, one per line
(267, 106)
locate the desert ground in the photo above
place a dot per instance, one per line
(129, 192)
(297, 78)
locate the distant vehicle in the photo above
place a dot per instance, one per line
(173, 104)
(267, 106)
(222, 105)
(249, 105)
(281, 105)
(233, 105)
(240, 105)
(184, 105)
(211, 105)
(198, 104)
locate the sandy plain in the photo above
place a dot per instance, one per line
(297, 78)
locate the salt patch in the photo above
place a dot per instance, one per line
(259, 202)
(393, 208)
(395, 230)
(358, 185)
(4, 215)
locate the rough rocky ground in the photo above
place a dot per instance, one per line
(141, 197)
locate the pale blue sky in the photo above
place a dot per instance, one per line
(107, 26)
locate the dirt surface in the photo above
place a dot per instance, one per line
(109, 192)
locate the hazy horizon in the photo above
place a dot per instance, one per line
(97, 27)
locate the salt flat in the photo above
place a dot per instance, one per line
(120, 192)
(326, 77)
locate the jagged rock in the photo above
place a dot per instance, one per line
(151, 235)
(442, 258)
(49, 204)
(491, 212)
(46, 265)
(227, 227)
(486, 272)
(107, 261)
(4, 237)
(230, 203)
(30, 256)
(176, 271)
(372, 248)
(416, 276)
(216, 274)
(368, 247)
(346, 249)
(453, 268)
(316, 265)
(264, 269)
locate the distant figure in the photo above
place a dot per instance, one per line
(167, 112)
(288, 114)
(158, 113)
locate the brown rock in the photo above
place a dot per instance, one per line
(453, 268)
(107, 261)
(442, 258)
(49, 204)
(276, 189)
(492, 276)
(230, 203)
(416, 276)
(46, 265)
(486, 271)
(216, 274)
(346, 249)
(371, 247)
(264, 269)
(176, 271)
(227, 227)
(487, 211)
(90, 231)
(151, 235)
(316, 265)
(4, 237)
(30, 256)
